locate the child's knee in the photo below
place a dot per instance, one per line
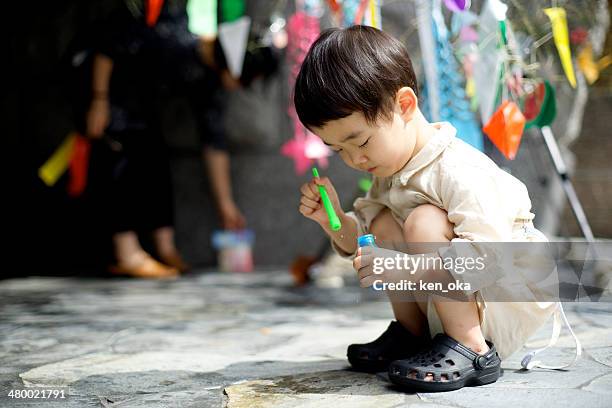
(385, 228)
(428, 223)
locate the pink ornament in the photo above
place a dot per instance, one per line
(304, 150)
(315, 149)
(295, 149)
(304, 147)
(468, 34)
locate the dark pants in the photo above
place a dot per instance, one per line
(139, 190)
(142, 196)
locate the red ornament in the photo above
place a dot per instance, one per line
(505, 128)
(79, 166)
(153, 10)
(578, 35)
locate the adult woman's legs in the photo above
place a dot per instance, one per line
(140, 200)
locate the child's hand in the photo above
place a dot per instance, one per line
(311, 205)
(370, 262)
(363, 265)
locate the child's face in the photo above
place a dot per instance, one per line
(382, 149)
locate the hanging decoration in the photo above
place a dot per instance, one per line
(231, 10)
(336, 11)
(589, 67)
(558, 19)
(58, 163)
(72, 155)
(505, 128)
(361, 12)
(476, 64)
(349, 12)
(457, 5)
(346, 13)
(578, 36)
(153, 10)
(373, 16)
(79, 166)
(539, 105)
(506, 125)
(488, 66)
(234, 38)
(304, 148)
(202, 16)
(450, 97)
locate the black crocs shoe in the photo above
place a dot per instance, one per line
(394, 344)
(451, 364)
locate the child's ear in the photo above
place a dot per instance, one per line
(407, 102)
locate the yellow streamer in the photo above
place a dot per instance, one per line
(589, 67)
(373, 13)
(470, 88)
(58, 163)
(558, 19)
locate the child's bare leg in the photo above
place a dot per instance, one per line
(460, 319)
(411, 315)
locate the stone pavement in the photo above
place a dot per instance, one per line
(246, 340)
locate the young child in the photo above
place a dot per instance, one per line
(357, 91)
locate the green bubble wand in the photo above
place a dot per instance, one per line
(334, 221)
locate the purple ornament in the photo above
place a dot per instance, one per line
(457, 5)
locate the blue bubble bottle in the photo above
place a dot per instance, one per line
(366, 240)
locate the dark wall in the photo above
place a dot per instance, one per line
(47, 230)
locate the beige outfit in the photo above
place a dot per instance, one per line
(483, 202)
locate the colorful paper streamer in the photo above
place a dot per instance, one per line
(153, 10)
(58, 163)
(447, 87)
(202, 17)
(231, 10)
(589, 67)
(558, 19)
(234, 38)
(488, 67)
(304, 147)
(79, 166)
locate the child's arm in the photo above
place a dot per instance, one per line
(311, 207)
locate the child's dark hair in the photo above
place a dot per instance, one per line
(355, 69)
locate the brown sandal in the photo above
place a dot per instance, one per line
(175, 261)
(149, 268)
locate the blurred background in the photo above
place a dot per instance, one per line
(64, 224)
